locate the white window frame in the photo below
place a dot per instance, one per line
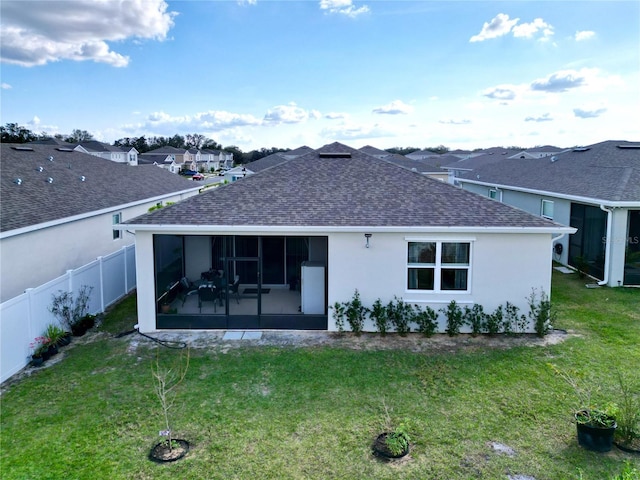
(116, 218)
(543, 204)
(439, 266)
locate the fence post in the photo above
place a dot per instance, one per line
(124, 257)
(29, 292)
(101, 283)
(69, 274)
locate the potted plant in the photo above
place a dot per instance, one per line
(40, 350)
(393, 442)
(595, 424)
(58, 336)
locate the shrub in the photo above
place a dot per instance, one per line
(540, 312)
(400, 314)
(378, 314)
(493, 321)
(353, 311)
(475, 318)
(339, 315)
(427, 320)
(512, 322)
(70, 310)
(453, 312)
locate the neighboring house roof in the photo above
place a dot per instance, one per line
(491, 155)
(376, 152)
(607, 171)
(53, 141)
(95, 146)
(166, 149)
(160, 159)
(422, 166)
(80, 184)
(266, 162)
(336, 187)
(297, 152)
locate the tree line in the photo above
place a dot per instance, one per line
(15, 133)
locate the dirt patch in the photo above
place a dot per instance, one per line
(413, 342)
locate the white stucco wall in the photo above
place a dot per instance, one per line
(504, 267)
(31, 259)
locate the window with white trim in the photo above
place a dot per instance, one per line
(437, 266)
(546, 209)
(116, 218)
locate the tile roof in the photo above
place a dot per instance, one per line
(106, 184)
(325, 190)
(603, 171)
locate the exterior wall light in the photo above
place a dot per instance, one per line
(367, 236)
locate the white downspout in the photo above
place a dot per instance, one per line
(607, 248)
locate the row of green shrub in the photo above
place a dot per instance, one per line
(399, 316)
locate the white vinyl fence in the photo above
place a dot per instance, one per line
(26, 316)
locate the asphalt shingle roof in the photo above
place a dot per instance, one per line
(106, 184)
(603, 171)
(313, 190)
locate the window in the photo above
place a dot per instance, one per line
(116, 219)
(547, 209)
(438, 266)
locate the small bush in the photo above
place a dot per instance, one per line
(493, 321)
(400, 314)
(454, 315)
(427, 320)
(378, 314)
(540, 312)
(512, 322)
(475, 318)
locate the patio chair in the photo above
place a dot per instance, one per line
(208, 293)
(186, 288)
(234, 288)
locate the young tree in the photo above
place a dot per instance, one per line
(79, 136)
(14, 133)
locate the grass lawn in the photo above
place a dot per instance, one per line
(313, 412)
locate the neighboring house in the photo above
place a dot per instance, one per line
(236, 173)
(595, 189)
(422, 154)
(375, 152)
(305, 233)
(58, 207)
(297, 152)
(538, 152)
(128, 155)
(420, 166)
(460, 166)
(179, 156)
(162, 161)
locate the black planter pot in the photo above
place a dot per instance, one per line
(78, 330)
(53, 350)
(380, 448)
(36, 361)
(160, 453)
(596, 439)
(64, 341)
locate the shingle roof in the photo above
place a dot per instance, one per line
(106, 184)
(492, 155)
(604, 171)
(324, 191)
(266, 162)
(95, 146)
(422, 166)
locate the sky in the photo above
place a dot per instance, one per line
(263, 73)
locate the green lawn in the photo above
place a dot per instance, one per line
(296, 413)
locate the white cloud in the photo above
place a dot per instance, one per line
(584, 35)
(343, 7)
(347, 131)
(502, 25)
(336, 115)
(464, 121)
(545, 117)
(528, 30)
(78, 29)
(396, 107)
(247, 2)
(501, 92)
(499, 26)
(561, 81)
(589, 112)
(161, 123)
(5, 86)
(288, 114)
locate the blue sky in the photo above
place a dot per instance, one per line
(263, 73)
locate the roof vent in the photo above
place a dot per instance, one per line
(40, 169)
(64, 149)
(22, 148)
(18, 181)
(553, 158)
(580, 149)
(334, 155)
(49, 180)
(50, 158)
(630, 145)
(82, 178)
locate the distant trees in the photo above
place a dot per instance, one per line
(79, 136)
(14, 133)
